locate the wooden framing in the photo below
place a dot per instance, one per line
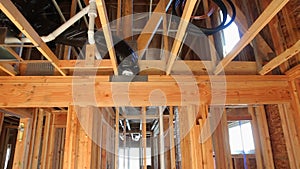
(262, 126)
(287, 54)
(151, 26)
(107, 33)
(22, 145)
(7, 68)
(221, 140)
(18, 19)
(117, 139)
(144, 141)
(187, 13)
(274, 7)
(256, 138)
(172, 141)
(237, 90)
(290, 135)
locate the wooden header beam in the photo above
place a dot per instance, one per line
(274, 7)
(49, 91)
(9, 9)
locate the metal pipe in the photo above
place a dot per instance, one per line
(92, 15)
(59, 11)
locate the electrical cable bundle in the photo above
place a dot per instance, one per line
(178, 6)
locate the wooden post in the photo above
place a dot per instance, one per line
(117, 139)
(1, 121)
(221, 141)
(23, 140)
(161, 138)
(144, 137)
(128, 14)
(264, 137)
(256, 138)
(206, 145)
(171, 133)
(290, 135)
(37, 140)
(46, 135)
(191, 152)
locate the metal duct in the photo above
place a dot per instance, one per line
(177, 138)
(39, 69)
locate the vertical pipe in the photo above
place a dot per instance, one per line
(177, 139)
(161, 139)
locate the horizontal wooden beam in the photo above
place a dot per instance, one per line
(19, 112)
(9, 9)
(286, 55)
(274, 7)
(51, 91)
(156, 67)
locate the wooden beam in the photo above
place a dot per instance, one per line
(274, 7)
(161, 138)
(234, 114)
(107, 33)
(61, 91)
(286, 55)
(187, 13)
(117, 138)
(7, 68)
(144, 137)
(38, 139)
(9, 9)
(172, 141)
(264, 136)
(19, 112)
(1, 121)
(290, 135)
(127, 19)
(151, 26)
(12, 52)
(206, 143)
(221, 140)
(23, 139)
(256, 138)
(45, 144)
(119, 15)
(241, 21)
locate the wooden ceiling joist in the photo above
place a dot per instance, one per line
(7, 68)
(286, 55)
(107, 33)
(151, 26)
(30, 91)
(185, 18)
(11, 51)
(274, 7)
(9, 9)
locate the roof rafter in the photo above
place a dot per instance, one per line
(274, 7)
(286, 55)
(107, 33)
(184, 21)
(151, 26)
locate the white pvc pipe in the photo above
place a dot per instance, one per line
(66, 25)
